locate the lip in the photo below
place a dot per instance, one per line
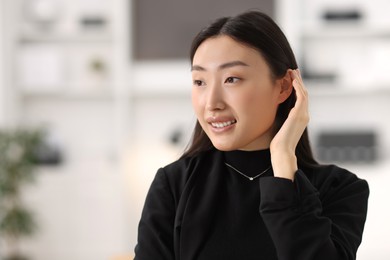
(225, 123)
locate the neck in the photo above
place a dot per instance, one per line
(249, 162)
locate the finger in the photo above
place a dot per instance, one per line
(302, 103)
(299, 76)
(301, 81)
(298, 85)
(296, 82)
(302, 97)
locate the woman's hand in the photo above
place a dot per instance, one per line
(282, 147)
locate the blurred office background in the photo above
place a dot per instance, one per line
(109, 81)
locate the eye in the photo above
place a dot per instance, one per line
(198, 83)
(231, 80)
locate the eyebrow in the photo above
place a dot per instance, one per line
(222, 66)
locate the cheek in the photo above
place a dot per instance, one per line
(196, 102)
(261, 106)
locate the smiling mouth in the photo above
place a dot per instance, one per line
(223, 124)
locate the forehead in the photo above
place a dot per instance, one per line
(223, 48)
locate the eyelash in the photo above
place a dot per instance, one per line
(232, 80)
(229, 80)
(198, 83)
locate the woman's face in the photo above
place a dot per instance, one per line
(233, 95)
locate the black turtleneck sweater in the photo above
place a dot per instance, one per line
(199, 209)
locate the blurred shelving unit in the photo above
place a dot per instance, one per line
(70, 53)
(345, 57)
(346, 46)
(344, 53)
(66, 70)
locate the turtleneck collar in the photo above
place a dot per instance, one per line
(249, 162)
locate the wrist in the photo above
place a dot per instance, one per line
(284, 165)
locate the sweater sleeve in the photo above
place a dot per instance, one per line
(305, 226)
(155, 231)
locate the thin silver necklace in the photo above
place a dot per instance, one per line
(248, 177)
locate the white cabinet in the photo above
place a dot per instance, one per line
(64, 69)
(347, 68)
(346, 43)
(63, 48)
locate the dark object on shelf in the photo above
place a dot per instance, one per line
(345, 146)
(93, 22)
(176, 137)
(342, 15)
(48, 154)
(319, 77)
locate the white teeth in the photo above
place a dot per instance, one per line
(223, 124)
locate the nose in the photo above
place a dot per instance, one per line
(215, 98)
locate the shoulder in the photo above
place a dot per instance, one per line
(179, 172)
(188, 164)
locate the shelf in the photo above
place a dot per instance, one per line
(345, 31)
(70, 95)
(316, 89)
(87, 37)
(163, 94)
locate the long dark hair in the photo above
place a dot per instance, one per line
(256, 30)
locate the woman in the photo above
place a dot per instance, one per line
(248, 186)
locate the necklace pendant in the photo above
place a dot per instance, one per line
(246, 176)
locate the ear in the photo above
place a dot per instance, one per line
(285, 86)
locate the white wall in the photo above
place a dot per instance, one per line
(2, 83)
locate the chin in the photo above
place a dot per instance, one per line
(224, 147)
(230, 146)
